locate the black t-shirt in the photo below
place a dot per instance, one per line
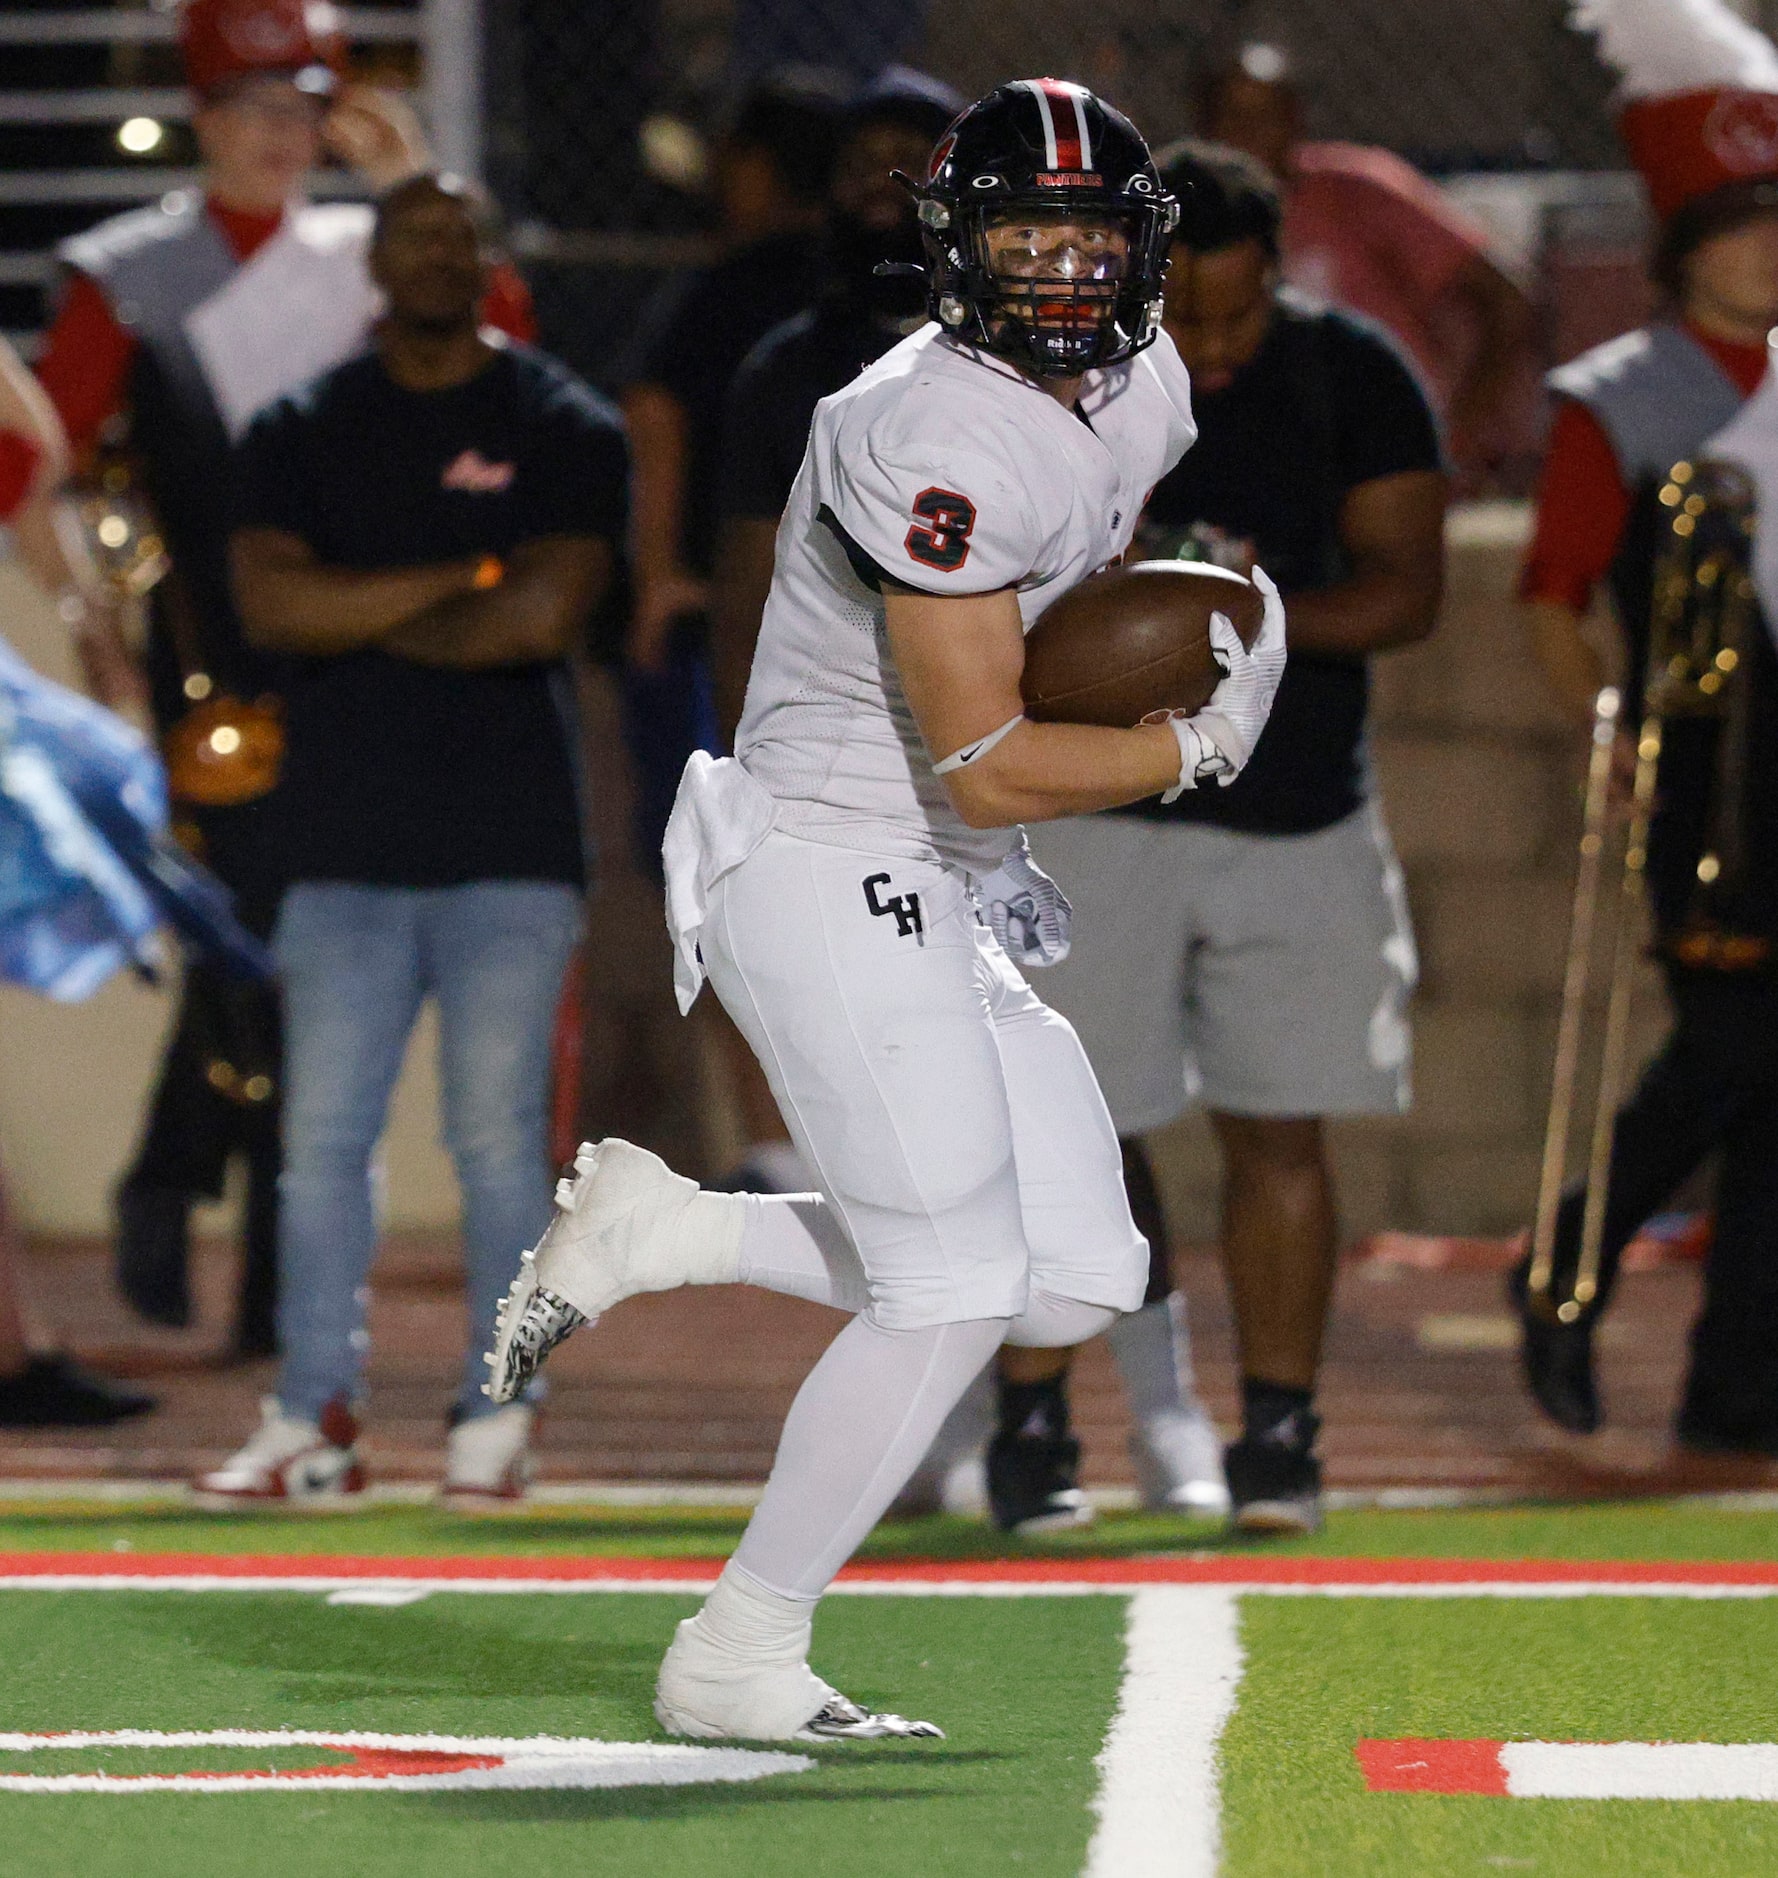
(1325, 405)
(405, 775)
(771, 404)
(691, 343)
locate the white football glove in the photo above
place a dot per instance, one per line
(1220, 739)
(1027, 912)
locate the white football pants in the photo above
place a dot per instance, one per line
(951, 1118)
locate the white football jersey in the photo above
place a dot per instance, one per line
(944, 469)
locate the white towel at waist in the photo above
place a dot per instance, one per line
(720, 815)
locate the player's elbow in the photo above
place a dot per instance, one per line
(983, 800)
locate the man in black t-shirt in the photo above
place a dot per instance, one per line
(422, 531)
(1249, 949)
(772, 170)
(858, 316)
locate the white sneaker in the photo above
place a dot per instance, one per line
(1178, 1460)
(488, 1460)
(288, 1460)
(625, 1223)
(709, 1694)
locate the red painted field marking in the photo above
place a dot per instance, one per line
(1410, 1576)
(1574, 1770)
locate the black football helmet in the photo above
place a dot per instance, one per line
(1047, 149)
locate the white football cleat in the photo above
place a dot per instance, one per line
(625, 1223)
(706, 1693)
(1178, 1461)
(488, 1460)
(289, 1461)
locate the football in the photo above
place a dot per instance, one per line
(1135, 640)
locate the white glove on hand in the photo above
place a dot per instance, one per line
(1027, 912)
(1219, 740)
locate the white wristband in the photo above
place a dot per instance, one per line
(974, 752)
(1199, 758)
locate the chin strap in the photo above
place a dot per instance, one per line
(974, 752)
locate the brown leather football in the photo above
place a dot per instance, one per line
(1134, 640)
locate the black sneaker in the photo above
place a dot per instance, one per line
(1034, 1483)
(55, 1392)
(1275, 1480)
(1557, 1359)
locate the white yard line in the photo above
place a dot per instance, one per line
(1158, 1804)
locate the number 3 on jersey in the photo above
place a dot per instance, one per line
(940, 534)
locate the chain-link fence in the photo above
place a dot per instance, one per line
(600, 111)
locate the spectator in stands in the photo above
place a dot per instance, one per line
(859, 315)
(1365, 230)
(37, 1389)
(771, 179)
(184, 317)
(424, 529)
(1249, 947)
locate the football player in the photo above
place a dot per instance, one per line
(855, 884)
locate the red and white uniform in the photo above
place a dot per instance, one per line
(954, 474)
(825, 883)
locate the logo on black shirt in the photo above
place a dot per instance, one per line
(476, 476)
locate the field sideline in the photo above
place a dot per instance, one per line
(365, 1693)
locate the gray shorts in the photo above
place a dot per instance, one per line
(1255, 974)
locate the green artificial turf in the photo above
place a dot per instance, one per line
(1024, 1686)
(1324, 1673)
(1603, 1530)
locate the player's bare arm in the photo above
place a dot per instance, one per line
(529, 616)
(960, 660)
(291, 602)
(1392, 531)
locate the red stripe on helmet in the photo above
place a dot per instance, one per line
(1073, 149)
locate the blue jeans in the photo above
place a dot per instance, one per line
(356, 963)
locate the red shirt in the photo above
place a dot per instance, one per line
(1365, 230)
(1583, 501)
(85, 364)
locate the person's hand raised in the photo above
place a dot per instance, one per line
(376, 133)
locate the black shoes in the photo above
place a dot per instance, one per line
(55, 1392)
(1275, 1480)
(1034, 1461)
(1034, 1483)
(1557, 1359)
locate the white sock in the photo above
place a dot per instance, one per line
(1154, 1355)
(749, 1621)
(794, 1244)
(857, 1430)
(1052, 1322)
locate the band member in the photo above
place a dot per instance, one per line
(1707, 144)
(828, 878)
(185, 318)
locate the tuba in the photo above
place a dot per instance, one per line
(1703, 610)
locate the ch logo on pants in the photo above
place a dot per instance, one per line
(905, 907)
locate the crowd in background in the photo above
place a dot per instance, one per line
(399, 638)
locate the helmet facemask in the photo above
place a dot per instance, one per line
(1054, 287)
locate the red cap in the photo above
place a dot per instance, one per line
(1688, 143)
(228, 39)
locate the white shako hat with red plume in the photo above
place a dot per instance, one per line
(1698, 95)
